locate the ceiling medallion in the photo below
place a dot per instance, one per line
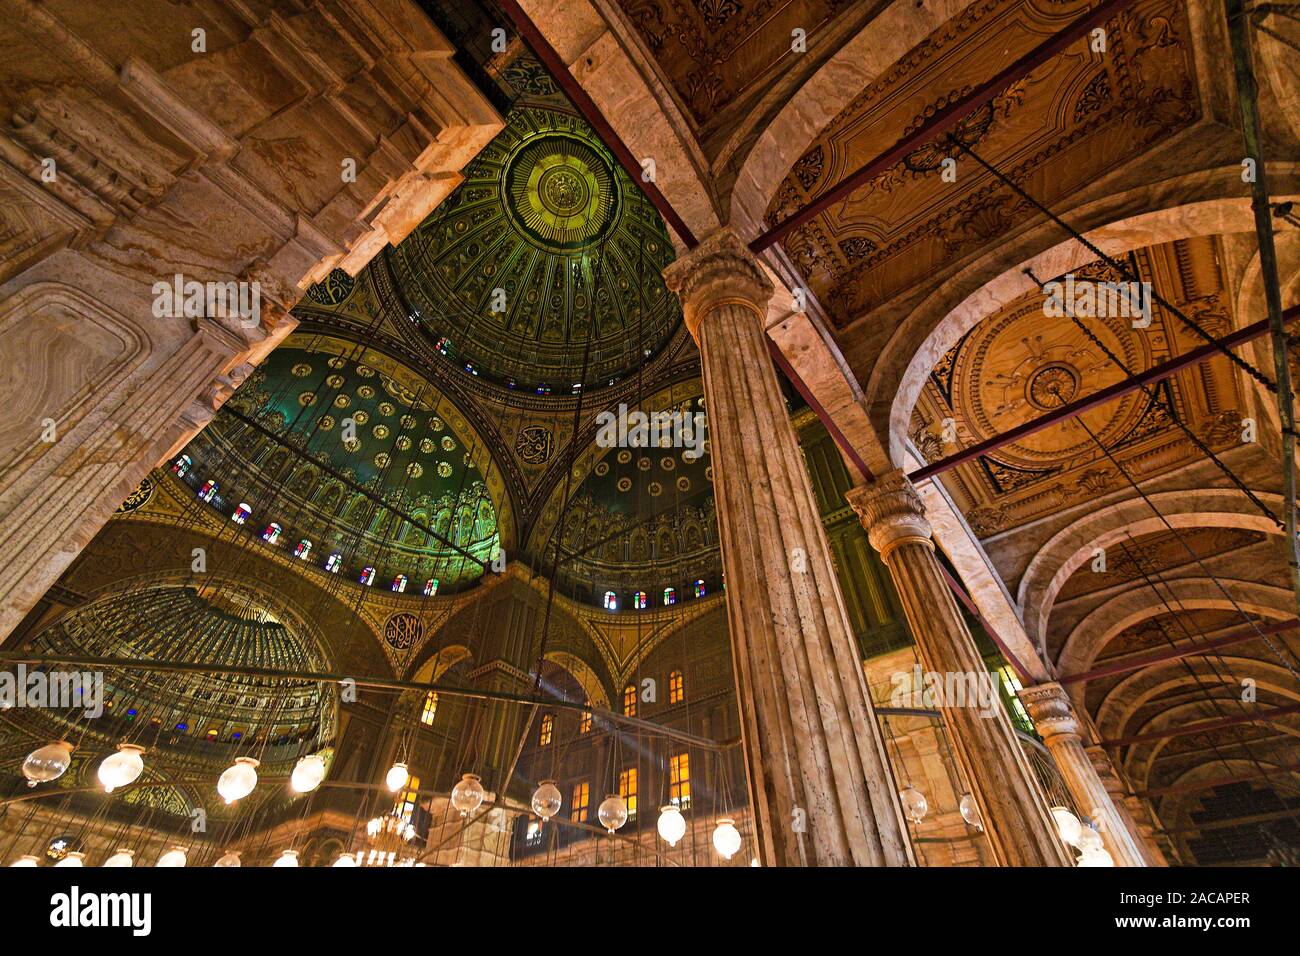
(560, 192)
(1052, 386)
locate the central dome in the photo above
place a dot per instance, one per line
(546, 260)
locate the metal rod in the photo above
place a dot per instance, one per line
(1204, 726)
(1111, 392)
(1179, 651)
(1238, 27)
(1214, 782)
(944, 120)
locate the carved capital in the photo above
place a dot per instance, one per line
(891, 511)
(1050, 709)
(720, 270)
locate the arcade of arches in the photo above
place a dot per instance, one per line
(653, 435)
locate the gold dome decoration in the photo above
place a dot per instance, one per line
(655, 489)
(342, 401)
(380, 431)
(625, 484)
(365, 371)
(403, 443)
(602, 468)
(683, 483)
(427, 446)
(335, 381)
(444, 469)
(624, 457)
(415, 469)
(386, 408)
(361, 416)
(365, 392)
(448, 443)
(326, 423)
(307, 398)
(382, 460)
(302, 370)
(352, 444)
(644, 464)
(708, 473)
(667, 462)
(436, 423)
(337, 362)
(408, 421)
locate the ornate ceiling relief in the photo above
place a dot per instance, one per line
(1019, 364)
(1082, 114)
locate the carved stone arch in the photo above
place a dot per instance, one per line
(1073, 546)
(595, 689)
(1109, 619)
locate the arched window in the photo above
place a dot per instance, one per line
(670, 596)
(611, 601)
(699, 587)
(399, 584)
(430, 708)
(303, 549)
(627, 790)
(548, 730)
(241, 514)
(431, 587)
(629, 700)
(208, 491)
(181, 466)
(639, 600)
(272, 533)
(367, 576)
(679, 780)
(584, 722)
(676, 688)
(334, 563)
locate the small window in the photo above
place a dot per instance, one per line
(406, 803)
(240, 514)
(431, 587)
(699, 587)
(303, 549)
(640, 600)
(629, 701)
(272, 533)
(548, 729)
(430, 709)
(367, 576)
(208, 491)
(181, 466)
(399, 584)
(611, 601)
(676, 688)
(533, 836)
(584, 722)
(578, 806)
(679, 780)
(670, 596)
(627, 790)
(334, 563)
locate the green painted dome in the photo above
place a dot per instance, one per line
(503, 277)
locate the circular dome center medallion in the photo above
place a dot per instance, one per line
(560, 192)
(1052, 386)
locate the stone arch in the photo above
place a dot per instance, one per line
(584, 674)
(1072, 546)
(1198, 204)
(1109, 619)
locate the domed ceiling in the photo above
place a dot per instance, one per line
(322, 433)
(546, 228)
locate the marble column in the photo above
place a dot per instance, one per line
(1129, 807)
(819, 781)
(1054, 718)
(1015, 812)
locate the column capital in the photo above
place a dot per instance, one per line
(721, 269)
(1050, 709)
(891, 511)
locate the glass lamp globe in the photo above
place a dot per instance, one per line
(468, 794)
(1067, 825)
(397, 776)
(671, 825)
(25, 860)
(121, 768)
(230, 859)
(970, 811)
(72, 859)
(915, 806)
(612, 812)
(287, 858)
(726, 838)
(1096, 856)
(47, 763)
(546, 800)
(1088, 839)
(173, 858)
(308, 773)
(346, 860)
(238, 780)
(121, 858)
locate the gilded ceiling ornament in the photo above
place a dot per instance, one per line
(361, 416)
(138, 498)
(448, 443)
(301, 370)
(387, 408)
(533, 444)
(444, 469)
(380, 431)
(402, 630)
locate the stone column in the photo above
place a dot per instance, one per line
(1015, 812)
(1125, 804)
(1053, 715)
(819, 782)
